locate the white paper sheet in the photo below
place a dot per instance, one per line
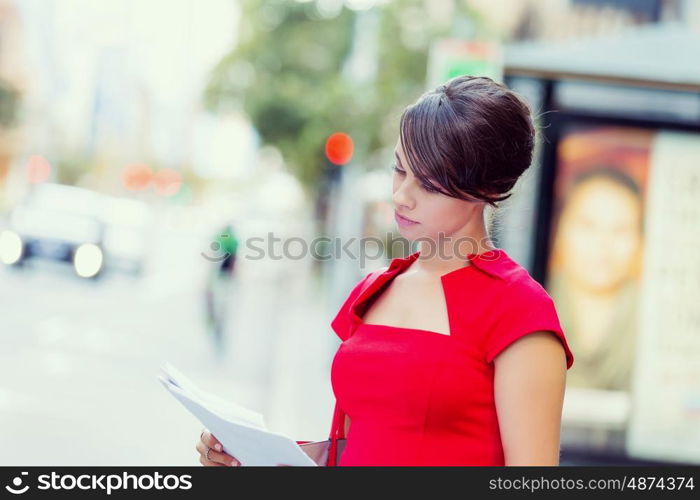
(241, 431)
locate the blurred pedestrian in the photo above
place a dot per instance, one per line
(219, 285)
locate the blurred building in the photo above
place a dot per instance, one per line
(126, 92)
(13, 85)
(571, 19)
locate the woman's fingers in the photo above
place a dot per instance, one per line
(212, 458)
(209, 440)
(217, 449)
(215, 457)
(209, 463)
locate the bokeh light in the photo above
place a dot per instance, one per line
(11, 247)
(88, 260)
(339, 148)
(137, 176)
(38, 169)
(167, 182)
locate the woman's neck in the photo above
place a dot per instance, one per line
(447, 254)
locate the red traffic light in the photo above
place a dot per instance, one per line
(339, 148)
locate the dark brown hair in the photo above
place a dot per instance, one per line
(470, 138)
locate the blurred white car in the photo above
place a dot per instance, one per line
(74, 225)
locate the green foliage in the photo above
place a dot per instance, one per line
(287, 73)
(9, 104)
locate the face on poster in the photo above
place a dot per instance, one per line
(597, 248)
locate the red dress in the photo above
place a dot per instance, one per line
(417, 397)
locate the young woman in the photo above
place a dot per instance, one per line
(455, 354)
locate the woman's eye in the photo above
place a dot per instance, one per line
(395, 168)
(430, 189)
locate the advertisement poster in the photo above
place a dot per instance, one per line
(624, 272)
(594, 274)
(665, 416)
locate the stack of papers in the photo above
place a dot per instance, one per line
(241, 431)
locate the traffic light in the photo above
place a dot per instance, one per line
(339, 148)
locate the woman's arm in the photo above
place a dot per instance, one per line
(529, 383)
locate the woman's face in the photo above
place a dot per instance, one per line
(434, 212)
(600, 235)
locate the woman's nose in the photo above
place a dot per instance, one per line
(403, 197)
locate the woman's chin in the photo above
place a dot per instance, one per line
(415, 233)
(409, 232)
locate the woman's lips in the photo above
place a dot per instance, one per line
(402, 221)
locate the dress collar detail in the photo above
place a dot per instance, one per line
(493, 262)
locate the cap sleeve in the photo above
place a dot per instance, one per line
(528, 309)
(342, 322)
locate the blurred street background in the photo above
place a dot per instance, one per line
(150, 150)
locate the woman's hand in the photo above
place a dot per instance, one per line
(211, 452)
